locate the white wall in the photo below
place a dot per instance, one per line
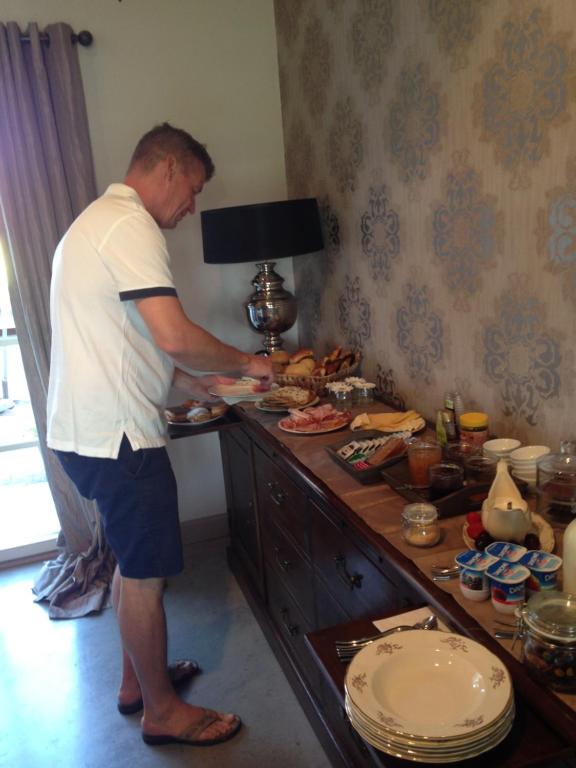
(210, 67)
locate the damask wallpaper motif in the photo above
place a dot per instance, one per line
(437, 136)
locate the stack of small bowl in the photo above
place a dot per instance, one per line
(523, 462)
(500, 448)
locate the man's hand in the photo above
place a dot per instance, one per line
(259, 367)
(198, 387)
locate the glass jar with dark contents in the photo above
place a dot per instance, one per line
(549, 639)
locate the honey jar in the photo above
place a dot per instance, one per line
(420, 524)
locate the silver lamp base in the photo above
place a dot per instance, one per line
(271, 309)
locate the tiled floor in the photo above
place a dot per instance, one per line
(58, 680)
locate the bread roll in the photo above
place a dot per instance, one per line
(301, 354)
(280, 357)
(304, 368)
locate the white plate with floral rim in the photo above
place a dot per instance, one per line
(428, 684)
(421, 755)
(425, 745)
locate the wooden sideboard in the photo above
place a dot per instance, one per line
(308, 562)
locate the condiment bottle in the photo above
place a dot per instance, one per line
(474, 427)
(569, 559)
(420, 524)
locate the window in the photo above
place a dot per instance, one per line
(28, 520)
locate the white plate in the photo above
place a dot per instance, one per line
(194, 423)
(540, 527)
(262, 406)
(439, 756)
(428, 684)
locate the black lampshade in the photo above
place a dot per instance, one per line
(261, 232)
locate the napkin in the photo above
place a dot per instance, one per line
(397, 421)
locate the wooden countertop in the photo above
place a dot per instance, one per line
(374, 511)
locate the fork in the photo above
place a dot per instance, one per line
(347, 649)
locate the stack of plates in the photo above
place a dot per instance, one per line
(500, 448)
(523, 462)
(429, 697)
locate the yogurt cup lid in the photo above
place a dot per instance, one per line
(506, 550)
(537, 560)
(474, 560)
(507, 573)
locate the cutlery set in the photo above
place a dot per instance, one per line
(347, 649)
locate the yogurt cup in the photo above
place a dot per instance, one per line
(543, 569)
(507, 585)
(474, 583)
(506, 550)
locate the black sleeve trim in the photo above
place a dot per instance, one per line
(144, 293)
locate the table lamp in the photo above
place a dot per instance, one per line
(263, 233)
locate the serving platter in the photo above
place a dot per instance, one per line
(540, 527)
(313, 430)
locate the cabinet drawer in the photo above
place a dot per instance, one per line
(358, 586)
(291, 568)
(280, 499)
(358, 753)
(292, 627)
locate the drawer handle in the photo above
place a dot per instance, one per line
(278, 496)
(292, 629)
(351, 580)
(283, 564)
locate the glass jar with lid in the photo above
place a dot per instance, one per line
(548, 628)
(474, 427)
(556, 486)
(420, 524)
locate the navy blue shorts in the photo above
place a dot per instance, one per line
(138, 502)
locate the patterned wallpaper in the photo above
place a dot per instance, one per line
(439, 137)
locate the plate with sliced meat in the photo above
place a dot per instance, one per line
(315, 421)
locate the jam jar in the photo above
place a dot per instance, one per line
(548, 629)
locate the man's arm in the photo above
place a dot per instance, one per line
(193, 346)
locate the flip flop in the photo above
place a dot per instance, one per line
(190, 735)
(179, 672)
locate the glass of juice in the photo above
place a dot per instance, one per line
(421, 456)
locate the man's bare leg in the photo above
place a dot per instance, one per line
(129, 686)
(142, 623)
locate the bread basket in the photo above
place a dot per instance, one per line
(318, 383)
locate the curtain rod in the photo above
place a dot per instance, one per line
(84, 38)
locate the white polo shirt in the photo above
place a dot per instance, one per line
(107, 376)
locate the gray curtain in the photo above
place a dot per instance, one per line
(46, 180)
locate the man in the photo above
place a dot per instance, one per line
(118, 329)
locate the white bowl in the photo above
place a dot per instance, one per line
(501, 446)
(529, 453)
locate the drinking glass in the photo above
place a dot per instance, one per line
(421, 456)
